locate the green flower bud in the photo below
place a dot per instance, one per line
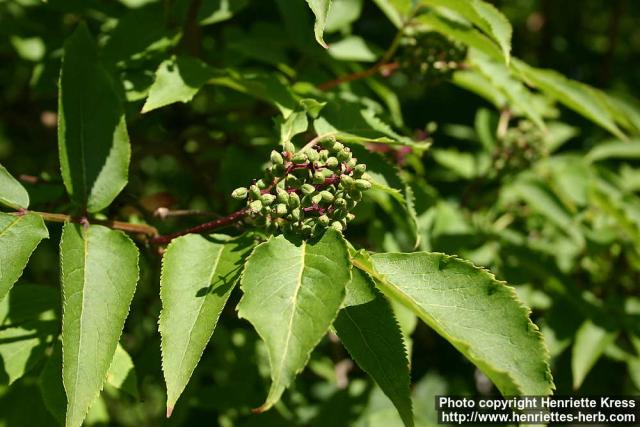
(316, 199)
(278, 170)
(282, 195)
(308, 189)
(347, 181)
(340, 203)
(318, 178)
(255, 191)
(336, 225)
(276, 158)
(326, 196)
(295, 214)
(267, 199)
(338, 146)
(327, 173)
(324, 220)
(240, 193)
(312, 155)
(261, 184)
(292, 181)
(343, 155)
(332, 163)
(350, 217)
(363, 184)
(294, 200)
(358, 170)
(356, 195)
(299, 158)
(352, 162)
(255, 206)
(323, 155)
(281, 209)
(328, 143)
(289, 147)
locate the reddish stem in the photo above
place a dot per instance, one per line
(207, 226)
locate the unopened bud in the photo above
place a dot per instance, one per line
(308, 189)
(276, 158)
(240, 193)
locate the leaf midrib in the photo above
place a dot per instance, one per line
(197, 318)
(293, 315)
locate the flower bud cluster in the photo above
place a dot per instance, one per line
(521, 146)
(430, 56)
(307, 191)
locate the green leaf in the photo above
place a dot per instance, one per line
(19, 237)
(320, 9)
(122, 373)
(459, 32)
(518, 96)
(50, 384)
(292, 294)
(26, 303)
(483, 15)
(12, 193)
(576, 96)
(628, 150)
(386, 178)
(271, 88)
(369, 331)
(99, 271)
(352, 48)
(92, 133)
(21, 348)
(477, 314)
(396, 10)
(590, 342)
(198, 275)
(293, 125)
(177, 80)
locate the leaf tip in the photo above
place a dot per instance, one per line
(169, 411)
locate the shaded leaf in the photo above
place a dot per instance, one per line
(483, 15)
(122, 373)
(12, 193)
(19, 237)
(292, 294)
(577, 96)
(590, 342)
(472, 310)
(628, 150)
(50, 384)
(99, 270)
(369, 331)
(198, 275)
(92, 133)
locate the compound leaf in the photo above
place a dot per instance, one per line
(198, 275)
(99, 270)
(292, 294)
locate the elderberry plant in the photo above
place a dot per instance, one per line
(137, 284)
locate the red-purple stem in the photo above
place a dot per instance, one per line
(207, 226)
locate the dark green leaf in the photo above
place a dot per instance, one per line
(92, 133)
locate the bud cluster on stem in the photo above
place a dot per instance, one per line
(304, 192)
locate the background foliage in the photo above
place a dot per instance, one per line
(526, 171)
